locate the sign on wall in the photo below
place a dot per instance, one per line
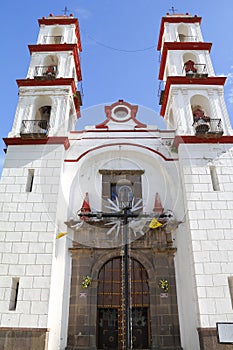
(225, 332)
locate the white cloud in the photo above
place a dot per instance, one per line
(230, 96)
(230, 78)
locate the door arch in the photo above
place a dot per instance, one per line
(111, 308)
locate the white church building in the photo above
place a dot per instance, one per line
(118, 236)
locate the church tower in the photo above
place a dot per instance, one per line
(192, 104)
(48, 107)
(192, 99)
(49, 98)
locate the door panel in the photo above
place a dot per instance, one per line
(111, 309)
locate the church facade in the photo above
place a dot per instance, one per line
(118, 236)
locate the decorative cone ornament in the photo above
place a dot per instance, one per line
(158, 208)
(85, 207)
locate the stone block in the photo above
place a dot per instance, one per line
(33, 217)
(20, 247)
(30, 294)
(10, 258)
(27, 259)
(204, 281)
(10, 319)
(212, 268)
(209, 245)
(44, 259)
(41, 282)
(207, 306)
(22, 226)
(39, 226)
(26, 320)
(39, 307)
(31, 237)
(10, 207)
(34, 270)
(36, 247)
(12, 188)
(16, 270)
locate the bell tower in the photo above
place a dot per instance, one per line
(31, 189)
(193, 106)
(49, 98)
(191, 95)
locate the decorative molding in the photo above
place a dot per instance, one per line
(121, 172)
(117, 145)
(18, 141)
(194, 139)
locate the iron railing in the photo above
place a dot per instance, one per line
(45, 72)
(198, 70)
(52, 39)
(206, 126)
(186, 38)
(34, 128)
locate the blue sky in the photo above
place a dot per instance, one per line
(119, 58)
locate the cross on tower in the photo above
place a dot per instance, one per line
(173, 10)
(65, 10)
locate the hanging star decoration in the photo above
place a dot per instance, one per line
(135, 225)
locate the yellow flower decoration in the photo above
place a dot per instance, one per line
(86, 281)
(164, 285)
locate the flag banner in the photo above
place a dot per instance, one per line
(154, 223)
(61, 234)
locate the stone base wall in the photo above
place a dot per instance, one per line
(23, 338)
(209, 341)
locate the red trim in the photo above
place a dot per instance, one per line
(53, 140)
(119, 144)
(181, 80)
(60, 47)
(133, 111)
(63, 21)
(175, 19)
(119, 131)
(180, 46)
(194, 139)
(53, 82)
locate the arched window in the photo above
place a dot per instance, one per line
(111, 308)
(183, 33)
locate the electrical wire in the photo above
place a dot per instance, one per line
(117, 49)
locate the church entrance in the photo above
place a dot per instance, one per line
(111, 309)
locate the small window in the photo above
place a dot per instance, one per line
(14, 294)
(214, 178)
(30, 180)
(230, 283)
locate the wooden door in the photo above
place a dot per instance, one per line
(111, 309)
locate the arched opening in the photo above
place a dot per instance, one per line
(111, 309)
(192, 68)
(201, 114)
(183, 33)
(57, 35)
(43, 112)
(48, 70)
